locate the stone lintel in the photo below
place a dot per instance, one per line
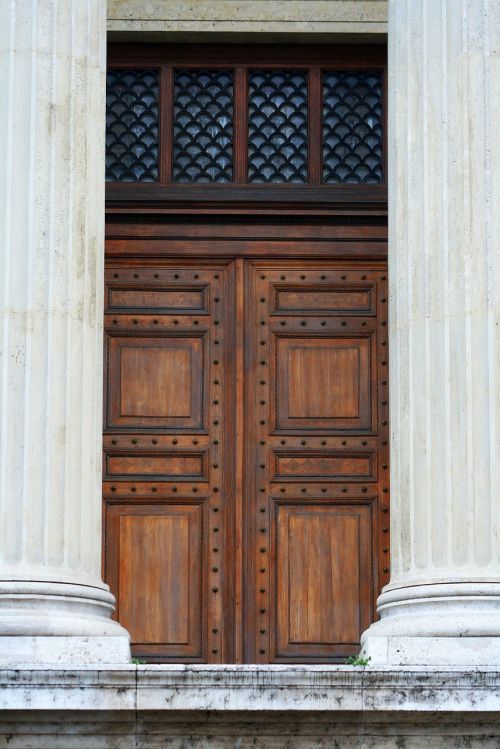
(287, 20)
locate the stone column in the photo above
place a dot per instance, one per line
(54, 606)
(442, 605)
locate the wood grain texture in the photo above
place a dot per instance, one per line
(318, 465)
(322, 300)
(158, 567)
(159, 465)
(316, 458)
(176, 300)
(322, 382)
(322, 577)
(289, 431)
(169, 431)
(156, 380)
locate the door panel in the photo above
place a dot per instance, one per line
(157, 381)
(322, 581)
(316, 457)
(323, 300)
(322, 383)
(319, 465)
(157, 573)
(167, 465)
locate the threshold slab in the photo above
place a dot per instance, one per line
(249, 688)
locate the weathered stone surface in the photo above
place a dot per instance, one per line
(251, 688)
(163, 18)
(263, 707)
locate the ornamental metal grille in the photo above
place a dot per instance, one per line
(132, 126)
(203, 126)
(245, 123)
(352, 127)
(277, 126)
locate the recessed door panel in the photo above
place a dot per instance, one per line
(172, 465)
(318, 465)
(322, 382)
(157, 381)
(157, 573)
(323, 299)
(322, 576)
(125, 298)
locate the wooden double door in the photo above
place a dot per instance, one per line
(245, 455)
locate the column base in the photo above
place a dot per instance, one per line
(455, 624)
(59, 623)
(431, 651)
(63, 651)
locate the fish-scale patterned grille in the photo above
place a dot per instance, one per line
(277, 126)
(132, 126)
(352, 127)
(203, 126)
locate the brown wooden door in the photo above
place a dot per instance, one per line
(245, 454)
(168, 469)
(316, 421)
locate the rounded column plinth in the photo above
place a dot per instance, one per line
(48, 622)
(442, 624)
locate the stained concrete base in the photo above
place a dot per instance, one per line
(263, 707)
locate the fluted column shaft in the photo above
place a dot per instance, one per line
(52, 99)
(444, 265)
